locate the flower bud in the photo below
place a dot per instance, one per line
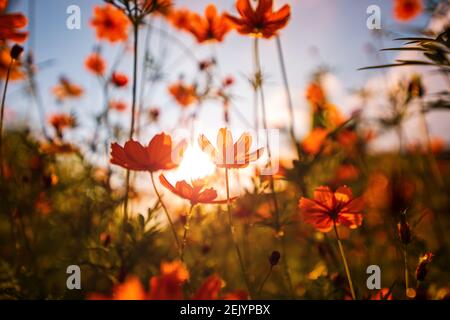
(422, 270)
(16, 51)
(274, 258)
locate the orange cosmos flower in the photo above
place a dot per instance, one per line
(10, 23)
(210, 289)
(193, 192)
(227, 154)
(315, 140)
(66, 90)
(184, 94)
(180, 18)
(158, 155)
(131, 289)
(95, 64)
(315, 95)
(329, 208)
(120, 80)
(118, 105)
(169, 285)
(110, 23)
(213, 27)
(262, 21)
(163, 7)
(61, 121)
(405, 10)
(5, 62)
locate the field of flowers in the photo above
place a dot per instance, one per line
(236, 214)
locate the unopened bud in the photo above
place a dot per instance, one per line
(16, 51)
(274, 258)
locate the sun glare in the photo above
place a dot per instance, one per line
(195, 165)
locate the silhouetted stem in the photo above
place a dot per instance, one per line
(261, 287)
(288, 96)
(258, 72)
(133, 111)
(344, 260)
(2, 114)
(172, 226)
(232, 233)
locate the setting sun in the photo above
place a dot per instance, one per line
(195, 165)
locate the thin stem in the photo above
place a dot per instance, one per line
(431, 158)
(288, 96)
(2, 114)
(405, 257)
(172, 226)
(344, 260)
(186, 230)
(232, 233)
(264, 281)
(278, 227)
(133, 111)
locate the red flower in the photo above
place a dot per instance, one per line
(227, 154)
(193, 192)
(95, 64)
(119, 79)
(169, 285)
(328, 208)
(62, 121)
(210, 289)
(158, 155)
(110, 23)
(405, 10)
(184, 94)
(262, 21)
(213, 27)
(118, 105)
(10, 22)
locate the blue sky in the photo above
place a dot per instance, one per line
(327, 32)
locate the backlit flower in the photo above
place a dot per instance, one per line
(10, 23)
(329, 208)
(158, 155)
(405, 10)
(262, 21)
(110, 23)
(227, 154)
(212, 27)
(95, 64)
(67, 90)
(183, 93)
(194, 192)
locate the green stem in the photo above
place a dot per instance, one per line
(186, 230)
(232, 233)
(172, 226)
(344, 260)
